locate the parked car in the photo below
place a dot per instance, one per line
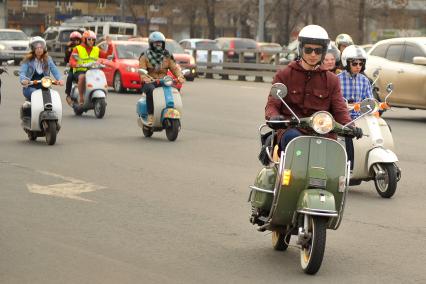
(121, 68)
(268, 51)
(57, 37)
(202, 45)
(14, 45)
(185, 61)
(401, 61)
(230, 45)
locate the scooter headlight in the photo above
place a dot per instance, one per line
(46, 82)
(168, 81)
(322, 122)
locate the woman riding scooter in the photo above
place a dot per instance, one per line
(355, 86)
(157, 60)
(37, 64)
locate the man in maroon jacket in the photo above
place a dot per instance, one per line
(310, 88)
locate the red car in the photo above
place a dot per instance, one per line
(121, 68)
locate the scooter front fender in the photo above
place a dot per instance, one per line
(97, 94)
(381, 155)
(317, 202)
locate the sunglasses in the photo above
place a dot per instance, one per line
(309, 50)
(354, 64)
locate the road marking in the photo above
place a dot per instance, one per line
(69, 190)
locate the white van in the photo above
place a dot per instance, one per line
(106, 28)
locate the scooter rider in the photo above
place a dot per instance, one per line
(310, 88)
(355, 86)
(75, 39)
(37, 64)
(157, 60)
(85, 53)
(343, 41)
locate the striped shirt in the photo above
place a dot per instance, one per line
(355, 88)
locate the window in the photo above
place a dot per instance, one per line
(58, 5)
(68, 5)
(113, 30)
(29, 3)
(100, 30)
(410, 52)
(51, 35)
(394, 52)
(129, 31)
(101, 4)
(380, 50)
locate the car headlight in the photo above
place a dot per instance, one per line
(132, 69)
(46, 82)
(322, 122)
(2, 47)
(191, 60)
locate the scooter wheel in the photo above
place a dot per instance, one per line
(280, 241)
(386, 185)
(173, 130)
(312, 253)
(51, 132)
(100, 107)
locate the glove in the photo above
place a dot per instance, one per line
(357, 132)
(275, 118)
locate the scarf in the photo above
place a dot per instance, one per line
(155, 57)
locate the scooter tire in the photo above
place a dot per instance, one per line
(173, 130)
(312, 253)
(78, 111)
(51, 132)
(392, 181)
(147, 132)
(280, 241)
(99, 108)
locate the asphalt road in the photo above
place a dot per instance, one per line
(106, 205)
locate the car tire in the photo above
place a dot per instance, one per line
(118, 83)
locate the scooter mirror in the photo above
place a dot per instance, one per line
(376, 73)
(16, 73)
(186, 72)
(369, 106)
(278, 90)
(142, 71)
(389, 88)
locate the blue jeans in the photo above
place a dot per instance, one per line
(28, 91)
(289, 135)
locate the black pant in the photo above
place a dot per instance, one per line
(148, 89)
(69, 82)
(350, 150)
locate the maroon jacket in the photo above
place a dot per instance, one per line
(309, 91)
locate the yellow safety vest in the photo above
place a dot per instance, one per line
(86, 58)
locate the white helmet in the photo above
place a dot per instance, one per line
(35, 40)
(344, 39)
(353, 52)
(313, 34)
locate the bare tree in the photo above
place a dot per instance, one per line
(209, 6)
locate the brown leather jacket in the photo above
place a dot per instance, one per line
(309, 91)
(168, 63)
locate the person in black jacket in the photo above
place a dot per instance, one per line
(75, 39)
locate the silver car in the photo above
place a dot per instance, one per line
(13, 45)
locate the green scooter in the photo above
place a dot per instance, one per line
(303, 192)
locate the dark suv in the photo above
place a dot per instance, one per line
(231, 45)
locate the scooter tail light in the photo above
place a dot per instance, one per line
(286, 177)
(357, 107)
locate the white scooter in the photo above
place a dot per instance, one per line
(374, 158)
(96, 90)
(43, 115)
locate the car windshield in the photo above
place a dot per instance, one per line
(174, 47)
(130, 51)
(206, 45)
(64, 36)
(13, 36)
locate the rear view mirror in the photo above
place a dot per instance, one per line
(278, 90)
(142, 71)
(419, 60)
(389, 88)
(16, 73)
(368, 106)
